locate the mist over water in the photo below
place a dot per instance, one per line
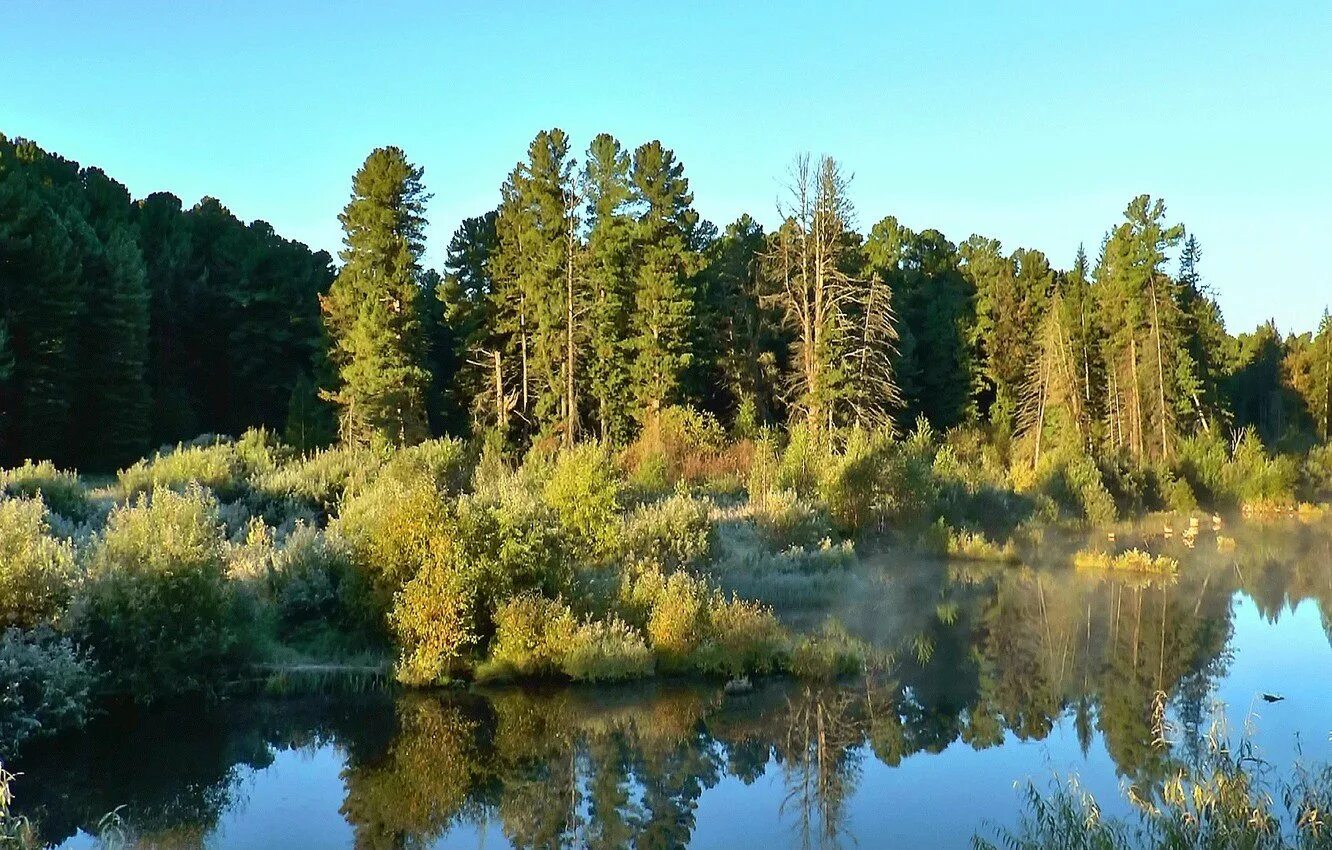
(993, 674)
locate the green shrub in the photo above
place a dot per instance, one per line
(313, 583)
(677, 623)
(320, 479)
(1242, 474)
(214, 465)
(801, 463)
(606, 650)
(674, 532)
(476, 556)
(45, 686)
(62, 492)
(36, 570)
(828, 655)
(1317, 472)
(849, 483)
(583, 489)
(156, 610)
(742, 637)
(1074, 484)
(389, 527)
(532, 635)
(787, 520)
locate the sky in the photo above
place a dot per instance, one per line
(1033, 123)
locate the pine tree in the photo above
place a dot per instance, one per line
(1053, 413)
(663, 290)
(40, 284)
(1205, 333)
(1321, 394)
(459, 352)
(1148, 369)
(532, 262)
(118, 319)
(373, 308)
(609, 194)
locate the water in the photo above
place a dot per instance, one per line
(999, 675)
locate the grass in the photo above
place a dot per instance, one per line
(1133, 560)
(1223, 799)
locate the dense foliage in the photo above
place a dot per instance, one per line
(566, 454)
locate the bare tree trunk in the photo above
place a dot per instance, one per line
(1160, 373)
(570, 398)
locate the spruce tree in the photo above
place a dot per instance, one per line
(610, 232)
(373, 308)
(663, 288)
(118, 320)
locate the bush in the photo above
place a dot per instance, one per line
(829, 655)
(583, 489)
(532, 635)
(849, 483)
(674, 532)
(742, 637)
(1317, 472)
(389, 528)
(682, 444)
(214, 465)
(45, 685)
(36, 570)
(1240, 475)
(1073, 482)
(321, 479)
(62, 492)
(606, 650)
(479, 554)
(156, 610)
(787, 520)
(312, 583)
(677, 623)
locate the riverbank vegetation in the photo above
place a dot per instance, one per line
(607, 440)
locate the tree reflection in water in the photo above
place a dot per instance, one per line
(981, 654)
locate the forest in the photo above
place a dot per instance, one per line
(594, 298)
(607, 440)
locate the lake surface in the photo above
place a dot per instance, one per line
(997, 675)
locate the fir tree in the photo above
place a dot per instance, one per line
(663, 289)
(373, 308)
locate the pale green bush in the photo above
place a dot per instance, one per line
(36, 570)
(214, 465)
(156, 609)
(787, 520)
(742, 637)
(828, 655)
(677, 623)
(583, 488)
(673, 532)
(606, 650)
(63, 492)
(312, 583)
(320, 479)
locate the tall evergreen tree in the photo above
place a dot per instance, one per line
(373, 309)
(118, 361)
(534, 256)
(663, 288)
(608, 195)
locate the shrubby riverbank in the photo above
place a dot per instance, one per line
(448, 561)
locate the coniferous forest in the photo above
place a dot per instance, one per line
(606, 440)
(592, 299)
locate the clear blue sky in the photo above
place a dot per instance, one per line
(1030, 122)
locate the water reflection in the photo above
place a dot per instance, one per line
(981, 655)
